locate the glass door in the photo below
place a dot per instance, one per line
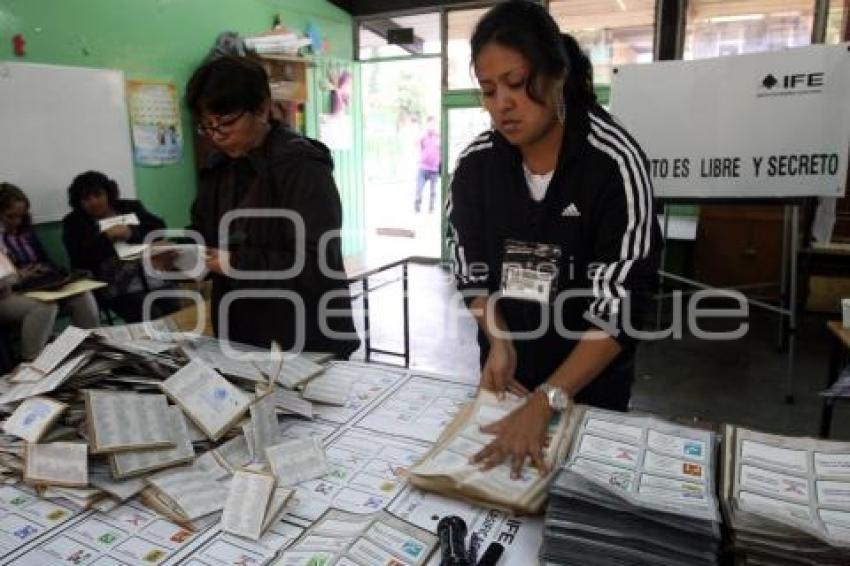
(463, 118)
(401, 125)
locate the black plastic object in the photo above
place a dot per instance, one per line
(452, 533)
(491, 555)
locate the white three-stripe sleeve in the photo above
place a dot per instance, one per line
(609, 281)
(464, 214)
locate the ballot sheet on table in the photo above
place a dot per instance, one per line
(420, 409)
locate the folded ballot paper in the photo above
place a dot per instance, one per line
(254, 501)
(786, 499)
(186, 496)
(213, 403)
(635, 490)
(447, 469)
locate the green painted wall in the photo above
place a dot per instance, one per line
(154, 39)
(348, 163)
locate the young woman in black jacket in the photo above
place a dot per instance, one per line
(552, 231)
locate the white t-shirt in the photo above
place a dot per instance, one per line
(537, 184)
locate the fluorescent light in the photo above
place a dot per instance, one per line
(741, 18)
(622, 5)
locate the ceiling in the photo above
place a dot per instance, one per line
(369, 7)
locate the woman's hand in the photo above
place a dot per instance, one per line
(217, 260)
(499, 372)
(519, 436)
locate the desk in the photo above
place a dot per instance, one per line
(838, 357)
(826, 260)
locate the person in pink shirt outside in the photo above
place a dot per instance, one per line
(429, 163)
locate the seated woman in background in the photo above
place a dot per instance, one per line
(20, 243)
(94, 197)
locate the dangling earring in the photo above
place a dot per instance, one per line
(561, 108)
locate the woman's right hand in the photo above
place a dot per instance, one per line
(499, 373)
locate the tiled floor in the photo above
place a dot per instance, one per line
(743, 381)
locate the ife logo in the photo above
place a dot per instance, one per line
(790, 84)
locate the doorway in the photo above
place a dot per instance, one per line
(401, 119)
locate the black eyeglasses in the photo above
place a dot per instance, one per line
(222, 126)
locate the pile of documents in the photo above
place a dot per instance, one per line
(188, 423)
(448, 470)
(787, 500)
(281, 42)
(635, 490)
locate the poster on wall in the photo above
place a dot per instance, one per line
(155, 122)
(335, 131)
(335, 127)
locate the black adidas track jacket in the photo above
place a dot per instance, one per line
(598, 209)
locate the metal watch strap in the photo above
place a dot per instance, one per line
(552, 392)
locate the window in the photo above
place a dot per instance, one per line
(463, 125)
(461, 24)
(612, 32)
(715, 28)
(373, 34)
(838, 21)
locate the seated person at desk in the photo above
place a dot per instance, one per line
(262, 167)
(93, 197)
(20, 243)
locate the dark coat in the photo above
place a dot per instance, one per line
(88, 248)
(288, 173)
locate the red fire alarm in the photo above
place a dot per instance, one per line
(19, 45)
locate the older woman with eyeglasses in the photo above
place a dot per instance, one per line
(280, 187)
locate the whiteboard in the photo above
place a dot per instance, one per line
(761, 126)
(57, 122)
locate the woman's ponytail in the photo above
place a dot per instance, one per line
(578, 89)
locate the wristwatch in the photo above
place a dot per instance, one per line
(557, 397)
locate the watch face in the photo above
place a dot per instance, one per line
(558, 399)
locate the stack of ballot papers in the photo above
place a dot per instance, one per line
(787, 499)
(187, 424)
(447, 468)
(635, 490)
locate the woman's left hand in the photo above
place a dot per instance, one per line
(519, 436)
